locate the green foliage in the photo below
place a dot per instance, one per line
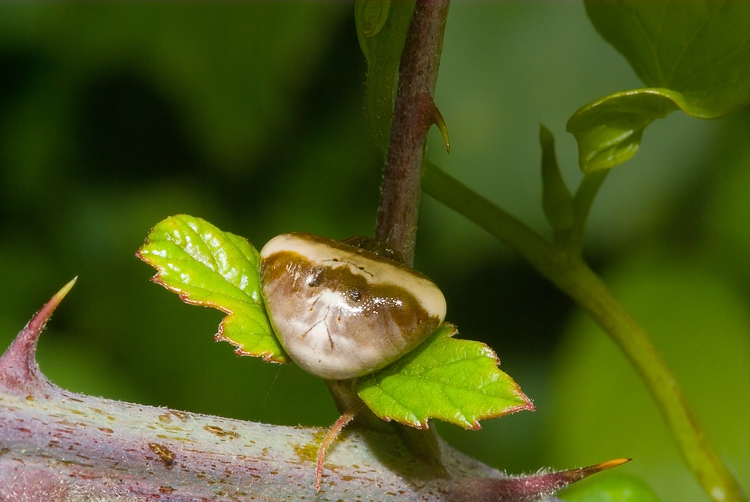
(232, 74)
(693, 56)
(370, 16)
(113, 117)
(382, 41)
(454, 380)
(609, 130)
(699, 49)
(211, 268)
(610, 488)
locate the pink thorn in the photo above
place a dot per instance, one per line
(18, 368)
(545, 484)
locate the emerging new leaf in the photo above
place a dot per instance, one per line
(693, 56)
(609, 130)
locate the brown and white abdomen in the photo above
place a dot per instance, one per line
(340, 311)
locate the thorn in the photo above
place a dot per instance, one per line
(440, 123)
(331, 435)
(18, 367)
(544, 484)
(63, 292)
(584, 472)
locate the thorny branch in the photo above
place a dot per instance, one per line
(59, 446)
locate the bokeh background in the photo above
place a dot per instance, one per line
(115, 116)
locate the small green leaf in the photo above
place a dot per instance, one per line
(557, 201)
(454, 380)
(211, 268)
(694, 56)
(611, 488)
(370, 16)
(609, 130)
(382, 41)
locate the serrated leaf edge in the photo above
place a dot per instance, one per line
(268, 357)
(528, 405)
(157, 278)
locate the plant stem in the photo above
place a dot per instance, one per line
(413, 115)
(582, 202)
(568, 272)
(67, 447)
(511, 231)
(62, 446)
(584, 286)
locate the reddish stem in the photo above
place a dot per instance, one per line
(332, 434)
(413, 115)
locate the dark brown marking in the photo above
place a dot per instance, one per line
(164, 454)
(214, 429)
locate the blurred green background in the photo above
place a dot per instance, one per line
(114, 116)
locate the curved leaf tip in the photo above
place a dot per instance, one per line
(370, 16)
(694, 56)
(609, 130)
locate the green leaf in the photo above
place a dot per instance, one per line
(609, 130)
(694, 56)
(611, 488)
(382, 42)
(211, 268)
(370, 16)
(454, 380)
